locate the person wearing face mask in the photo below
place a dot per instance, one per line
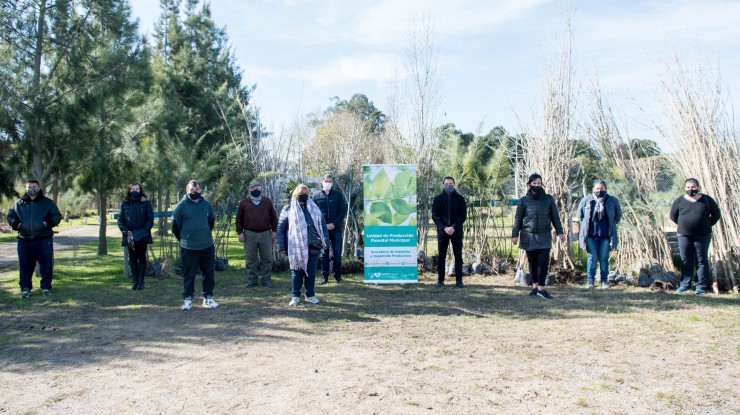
(302, 234)
(536, 214)
(256, 225)
(449, 211)
(33, 216)
(334, 209)
(599, 213)
(192, 225)
(695, 214)
(135, 220)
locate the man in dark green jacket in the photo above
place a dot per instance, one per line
(192, 225)
(34, 216)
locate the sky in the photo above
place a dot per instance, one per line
(492, 53)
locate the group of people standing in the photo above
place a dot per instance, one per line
(311, 227)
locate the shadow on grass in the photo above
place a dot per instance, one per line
(93, 317)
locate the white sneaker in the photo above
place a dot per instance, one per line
(209, 302)
(605, 285)
(590, 285)
(294, 301)
(187, 304)
(312, 300)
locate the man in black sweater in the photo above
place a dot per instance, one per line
(34, 216)
(695, 214)
(448, 213)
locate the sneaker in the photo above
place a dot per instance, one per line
(25, 293)
(250, 285)
(294, 301)
(682, 289)
(209, 302)
(312, 300)
(605, 285)
(699, 291)
(544, 294)
(187, 304)
(533, 292)
(439, 285)
(339, 280)
(590, 286)
(267, 284)
(324, 280)
(459, 285)
(46, 293)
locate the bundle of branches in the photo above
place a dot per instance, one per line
(706, 147)
(546, 145)
(642, 239)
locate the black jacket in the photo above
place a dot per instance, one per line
(34, 219)
(535, 216)
(695, 218)
(137, 217)
(333, 206)
(449, 210)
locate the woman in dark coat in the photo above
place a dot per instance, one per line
(536, 214)
(135, 220)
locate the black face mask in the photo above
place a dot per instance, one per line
(256, 193)
(194, 195)
(303, 198)
(134, 194)
(692, 192)
(600, 193)
(32, 191)
(536, 189)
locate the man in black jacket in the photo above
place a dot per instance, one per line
(34, 216)
(448, 212)
(334, 209)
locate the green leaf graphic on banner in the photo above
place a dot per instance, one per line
(401, 183)
(401, 206)
(381, 185)
(399, 219)
(381, 211)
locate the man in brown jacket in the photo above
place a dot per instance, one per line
(256, 225)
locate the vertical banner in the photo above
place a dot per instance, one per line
(390, 224)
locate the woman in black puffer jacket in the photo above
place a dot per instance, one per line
(135, 220)
(536, 214)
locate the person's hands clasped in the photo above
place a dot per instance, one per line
(449, 230)
(330, 226)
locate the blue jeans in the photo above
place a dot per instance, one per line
(309, 276)
(695, 251)
(597, 249)
(39, 251)
(335, 238)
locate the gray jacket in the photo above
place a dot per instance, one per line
(534, 221)
(192, 223)
(613, 215)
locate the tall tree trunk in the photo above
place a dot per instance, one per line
(161, 230)
(38, 169)
(102, 211)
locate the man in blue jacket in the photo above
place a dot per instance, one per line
(34, 216)
(334, 209)
(599, 214)
(192, 225)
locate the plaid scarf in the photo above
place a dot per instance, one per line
(598, 213)
(298, 233)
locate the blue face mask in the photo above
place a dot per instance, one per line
(134, 194)
(449, 188)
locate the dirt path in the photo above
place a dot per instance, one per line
(67, 238)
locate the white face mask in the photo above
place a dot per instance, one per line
(327, 186)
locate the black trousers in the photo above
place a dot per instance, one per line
(443, 243)
(137, 256)
(192, 260)
(695, 251)
(39, 251)
(539, 262)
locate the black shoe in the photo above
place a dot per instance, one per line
(544, 294)
(339, 280)
(459, 285)
(439, 284)
(134, 284)
(140, 285)
(533, 292)
(267, 284)
(324, 280)
(250, 285)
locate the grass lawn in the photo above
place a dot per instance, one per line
(95, 346)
